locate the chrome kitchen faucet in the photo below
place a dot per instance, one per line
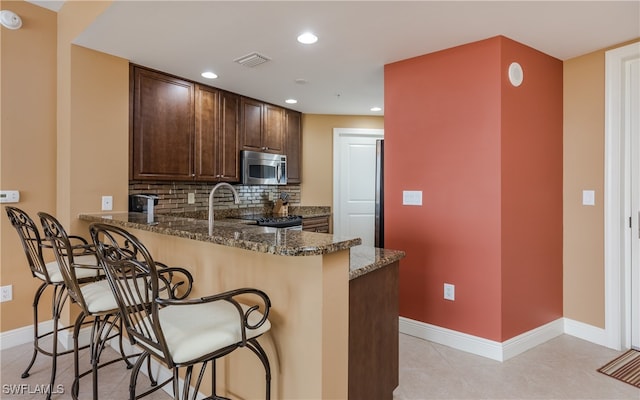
(236, 200)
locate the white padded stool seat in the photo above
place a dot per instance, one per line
(56, 276)
(192, 331)
(98, 296)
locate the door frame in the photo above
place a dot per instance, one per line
(337, 134)
(617, 246)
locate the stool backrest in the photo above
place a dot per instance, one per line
(57, 236)
(31, 241)
(134, 279)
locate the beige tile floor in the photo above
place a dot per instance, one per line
(562, 368)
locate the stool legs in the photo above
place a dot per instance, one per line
(104, 328)
(254, 346)
(59, 299)
(36, 299)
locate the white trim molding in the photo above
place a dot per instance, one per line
(616, 260)
(499, 351)
(480, 346)
(18, 336)
(586, 332)
(24, 335)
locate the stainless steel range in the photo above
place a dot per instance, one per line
(290, 222)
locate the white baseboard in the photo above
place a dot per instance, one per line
(481, 346)
(19, 336)
(587, 332)
(457, 340)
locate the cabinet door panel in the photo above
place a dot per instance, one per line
(228, 151)
(316, 224)
(293, 148)
(163, 126)
(251, 124)
(207, 106)
(273, 133)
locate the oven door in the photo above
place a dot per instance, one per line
(263, 168)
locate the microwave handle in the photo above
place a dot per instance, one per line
(278, 172)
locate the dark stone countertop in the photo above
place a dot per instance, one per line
(243, 234)
(303, 211)
(364, 259)
(231, 232)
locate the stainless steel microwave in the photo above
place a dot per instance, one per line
(263, 168)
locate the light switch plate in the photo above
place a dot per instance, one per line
(412, 197)
(588, 198)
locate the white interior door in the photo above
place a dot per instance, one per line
(354, 176)
(622, 197)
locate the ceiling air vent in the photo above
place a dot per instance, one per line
(253, 59)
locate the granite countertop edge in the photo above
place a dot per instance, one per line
(231, 233)
(241, 234)
(365, 259)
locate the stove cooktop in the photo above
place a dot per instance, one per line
(274, 220)
(283, 221)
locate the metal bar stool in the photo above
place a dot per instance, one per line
(180, 332)
(96, 302)
(50, 276)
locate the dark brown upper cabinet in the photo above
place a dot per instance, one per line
(217, 154)
(185, 131)
(293, 145)
(162, 126)
(182, 130)
(261, 126)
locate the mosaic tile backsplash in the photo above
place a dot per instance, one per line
(174, 196)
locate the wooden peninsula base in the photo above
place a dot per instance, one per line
(373, 334)
(334, 314)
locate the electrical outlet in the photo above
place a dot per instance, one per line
(107, 203)
(449, 291)
(191, 198)
(6, 293)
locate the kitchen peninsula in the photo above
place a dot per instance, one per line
(334, 302)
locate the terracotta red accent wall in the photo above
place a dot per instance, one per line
(531, 191)
(447, 128)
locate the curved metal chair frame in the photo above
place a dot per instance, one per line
(145, 312)
(106, 322)
(33, 246)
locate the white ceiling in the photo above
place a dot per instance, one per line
(344, 71)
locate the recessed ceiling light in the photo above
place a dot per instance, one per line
(291, 101)
(209, 75)
(307, 38)
(376, 109)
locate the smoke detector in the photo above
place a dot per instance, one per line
(10, 20)
(252, 60)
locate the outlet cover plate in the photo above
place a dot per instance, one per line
(6, 293)
(449, 292)
(107, 203)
